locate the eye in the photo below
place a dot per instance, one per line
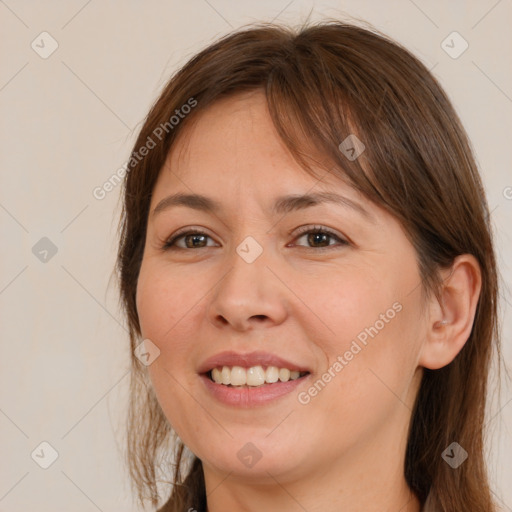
(319, 237)
(193, 238)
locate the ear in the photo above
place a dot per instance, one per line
(449, 324)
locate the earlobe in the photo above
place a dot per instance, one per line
(449, 324)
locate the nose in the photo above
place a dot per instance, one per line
(249, 296)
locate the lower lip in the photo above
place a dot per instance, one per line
(251, 396)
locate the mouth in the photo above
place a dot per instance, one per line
(256, 386)
(252, 377)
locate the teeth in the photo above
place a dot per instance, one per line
(253, 376)
(225, 375)
(272, 374)
(284, 375)
(238, 376)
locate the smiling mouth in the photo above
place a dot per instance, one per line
(255, 376)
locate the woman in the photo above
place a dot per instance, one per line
(308, 273)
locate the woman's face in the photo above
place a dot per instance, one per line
(343, 305)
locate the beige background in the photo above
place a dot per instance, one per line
(67, 124)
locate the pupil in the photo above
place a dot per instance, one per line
(312, 240)
(194, 237)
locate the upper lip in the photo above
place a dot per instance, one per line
(230, 358)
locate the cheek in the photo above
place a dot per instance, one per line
(350, 303)
(164, 302)
(373, 344)
(390, 360)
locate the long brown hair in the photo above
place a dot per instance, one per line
(324, 82)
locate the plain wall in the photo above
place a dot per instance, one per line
(67, 124)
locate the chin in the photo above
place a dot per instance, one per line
(253, 459)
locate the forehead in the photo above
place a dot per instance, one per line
(233, 143)
(232, 135)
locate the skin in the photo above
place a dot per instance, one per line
(345, 449)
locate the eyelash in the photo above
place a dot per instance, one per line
(170, 243)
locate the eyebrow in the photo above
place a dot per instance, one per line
(282, 205)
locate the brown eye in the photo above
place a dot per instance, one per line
(320, 238)
(193, 239)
